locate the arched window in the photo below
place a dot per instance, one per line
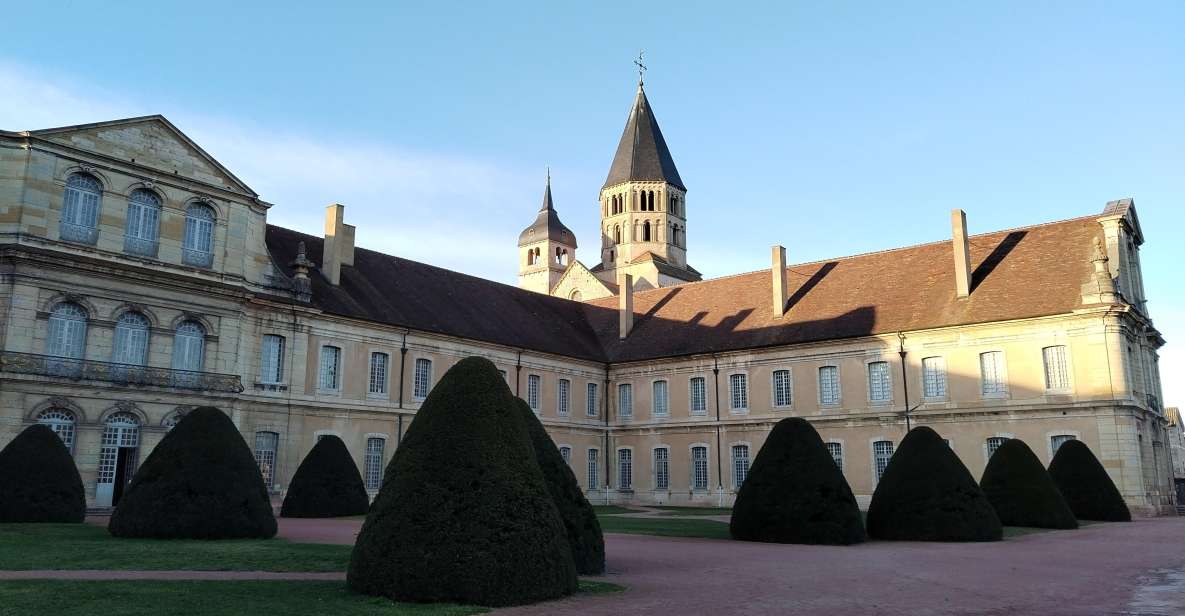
(62, 422)
(143, 224)
(198, 245)
(131, 340)
(80, 209)
(67, 331)
(616, 234)
(188, 347)
(637, 236)
(646, 231)
(117, 458)
(575, 295)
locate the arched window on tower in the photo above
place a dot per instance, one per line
(637, 231)
(646, 231)
(650, 200)
(616, 234)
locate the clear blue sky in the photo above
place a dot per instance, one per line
(832, 128)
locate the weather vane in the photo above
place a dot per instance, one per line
(641, 67)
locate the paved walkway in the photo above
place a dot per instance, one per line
(108, 574)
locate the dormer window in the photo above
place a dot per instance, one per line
(198, 246)
(80, 209)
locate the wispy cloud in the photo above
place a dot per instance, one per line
(453, 211)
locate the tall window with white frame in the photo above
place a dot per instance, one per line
(563, 395)
(143, 223)
(699, 467)
(66, 338)
(662, 468)
(661, 405)
(879, 389)
(379, 366)
(130, 346)
(81, 205)
(836, 451)
(593, 469)
(625, 469)
(992, 444)
(374, 462)
(266, 444)
(829, 385)
(740, 465)
(934, 378)
(1057, 377)
(534, 382)
(331, 365)
(197, 246)
(698, 395)
(590, 408)
(625, 400)
(882, 451)
(991, 374)
(189, 348)
(783, 389)
(1057, 440)
(422, 378)
(271, 359)
(62, 422)
(738, 386)
(566, 455)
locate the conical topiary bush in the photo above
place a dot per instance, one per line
(580, 521)
(464, 515)
(1021, 490)
(38, 479)
(326, 484)
(200, 482)
(926, 494)
(1085, 484)
(795, 493)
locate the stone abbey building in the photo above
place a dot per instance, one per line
(139, 278)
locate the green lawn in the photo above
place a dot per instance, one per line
(664, 527)
(612, 509)
(84, 546)
(151, 597)
(673, 510)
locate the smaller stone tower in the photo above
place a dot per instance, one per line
(545, 249)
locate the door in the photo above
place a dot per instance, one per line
(117, 458)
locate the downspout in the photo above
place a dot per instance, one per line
(719, 464)
(605, 406)
(402, 366)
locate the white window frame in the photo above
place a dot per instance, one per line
(534, 391)
(625, 400)
(660, 406)
(197, 241)
(82, 208)
(941, 387)
(142, 223)
(877, 472)
(839, 461)
(733, 406)
(592, 470)
(372, 469)
(998, 388)
(1067, 386)
(736, 463)
(322, 375)
(692, 484)
(775, 390)
(887, 386)
(130, 344)
(276, 376)
(63, 422)
(269, 475)
(988, 449)
(691, 396)
(837, 388)
(625, 469)
(565, 453)
(384, 381)
(184, 343)
(421, 387)
(661, 474)
(563, 397)
(590, 399)
(1049, 436)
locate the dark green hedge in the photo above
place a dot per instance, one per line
(795, 493)
(464, 515)
(38, 479)
(580, 521)
(926, 494)
(1021, 490)
(326, 484)
(200, 482)
(1085, 484)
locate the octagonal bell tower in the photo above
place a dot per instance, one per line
(545, 249)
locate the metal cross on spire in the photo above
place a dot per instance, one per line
(641, 67)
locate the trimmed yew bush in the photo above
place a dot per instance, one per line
(200, 482)
(326, 484)
(926, 494)
(1085, 484)
(580, 521)
(795, 493)
(464, 515)
(1021, 490)
(38, 479)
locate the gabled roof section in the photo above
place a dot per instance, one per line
(642, 153)
(161, 130)
(547, 224)
(670, 269)
(576, 268)
(1127, 209)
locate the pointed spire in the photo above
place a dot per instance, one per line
(642, 153)
(547, 224)
(547, 194)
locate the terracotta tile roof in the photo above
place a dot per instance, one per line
(1021, 273)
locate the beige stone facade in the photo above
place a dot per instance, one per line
(287, 368)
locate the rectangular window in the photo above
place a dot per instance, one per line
(699, 468)
(879, 390)
(740, 465)
(738, 387)
(331, 364)
(625, 469)
(991, 373)
(374, 462)
(783, 388)
(422, 380)
(378, 373)
(933, 377)
(566, 454)
(699, 396)
(993, 444)
(625, 400)
(593, 480)
(1056, 374)
(661, 406)
(662, 468)
(1058, 440)
(829, 385)
(534, 382)
(265, 456)
(591, 400)
(882, 451)
(836, 451)
(271, 361)
(563, 394)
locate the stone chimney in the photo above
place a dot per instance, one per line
(1101, 287)
(778, 280)
(625, 304)
(339, 243)
(301, 266)
(958, 224)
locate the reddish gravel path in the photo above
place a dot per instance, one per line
(106, 574)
